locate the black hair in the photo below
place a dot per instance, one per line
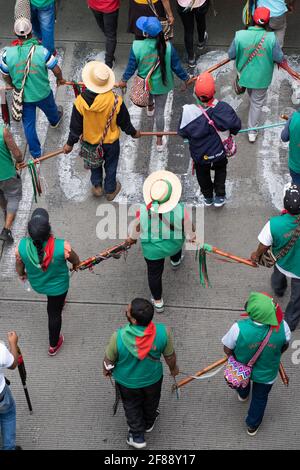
(142, 311)
(39, 231)
(161, 50)
(24, 38)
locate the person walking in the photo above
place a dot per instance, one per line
(161, 9)
(255, 51)
(42, 259)
(291, 133)
(162, 224)
(132, 357)
(206, 125)
(8, 360)
(243, 340)
(43, 22)
(37, 91)
(282, 234)
(98, 116)
(10, 181)
(191, 11)
(143, 56)
(106, 13)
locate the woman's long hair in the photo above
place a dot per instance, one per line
(39, 231)
(161, 51)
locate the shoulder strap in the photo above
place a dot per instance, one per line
(110, 118)
(151, 71)
(211, 122)
(255, 52)
(296, 234)
(260, 349)
(28, 64)
(152, 7)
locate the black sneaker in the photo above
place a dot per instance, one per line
(60, 113)
(150, 428)
(138, 442)
(18, 448)
(252, 431)
(192, 62)
(6, 235)
(202, 44)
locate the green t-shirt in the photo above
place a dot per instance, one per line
(282, 227)
(41, 3)
(7, 167)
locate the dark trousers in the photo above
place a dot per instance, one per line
(55, 306)
(188, 18)
(108, 23)
(259, 400)
(155, 271)
(111, 160)
(279, 285)
(207, 186)
(140, 405)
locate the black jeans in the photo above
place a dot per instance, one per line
(260, 394)
(55, 306)
(108, 23)
(155, 272)
(204, 178)
(140, 405)
(187, 18)
(279, 285)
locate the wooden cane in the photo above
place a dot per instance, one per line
(283, 375)
(284, 65)
(23, 165)
(158, 133)
(201, 372)
(248, 262)
(215, 67)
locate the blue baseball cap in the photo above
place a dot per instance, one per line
(150, 25)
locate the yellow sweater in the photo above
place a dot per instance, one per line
(96, 116)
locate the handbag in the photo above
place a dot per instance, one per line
(168, 29)
(140, 90)
(229, 143)
(236, 374)
(268, 259)
(237, 87)
(17, 98)
(93, 155)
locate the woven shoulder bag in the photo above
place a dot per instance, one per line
(17, 98)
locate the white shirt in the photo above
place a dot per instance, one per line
(230, 339)
(186, 3)
(6, 360)
(265, 237)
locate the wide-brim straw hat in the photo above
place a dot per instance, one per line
(98, 77)
(159, 186)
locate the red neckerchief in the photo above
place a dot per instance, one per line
(49, 252)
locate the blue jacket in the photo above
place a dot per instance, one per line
(203, 138)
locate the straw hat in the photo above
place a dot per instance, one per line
(98, 77)
(162, 191)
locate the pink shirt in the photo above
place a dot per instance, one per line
(186, 3)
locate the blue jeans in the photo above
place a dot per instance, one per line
(258, 403)
(48, 106)
(111, 159)
(43, 20)
(295, 177)
(8, 420)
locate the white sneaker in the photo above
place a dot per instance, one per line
(159, 306)
(243, 399)
(160, 148)
(252, 137)
(151, 112)
(175, 264)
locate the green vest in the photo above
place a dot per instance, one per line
(54, 281)
(135, 373)
(265, 369)
(41, 3)
(294, 148)
(146, 55)
(259, 72)
(161, 238)
(37, 86)
(7, 167)
(282, 227)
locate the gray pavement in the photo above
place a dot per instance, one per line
(72, 401)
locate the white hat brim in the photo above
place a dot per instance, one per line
(176, 189)
(88, 82)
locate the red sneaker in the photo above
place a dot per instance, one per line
(54, 351)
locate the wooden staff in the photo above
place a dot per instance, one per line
(23, 165)
(283, 375)
(158, 133)
(215, 67)
(284, 65)
(201, 372)
(217, 251)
